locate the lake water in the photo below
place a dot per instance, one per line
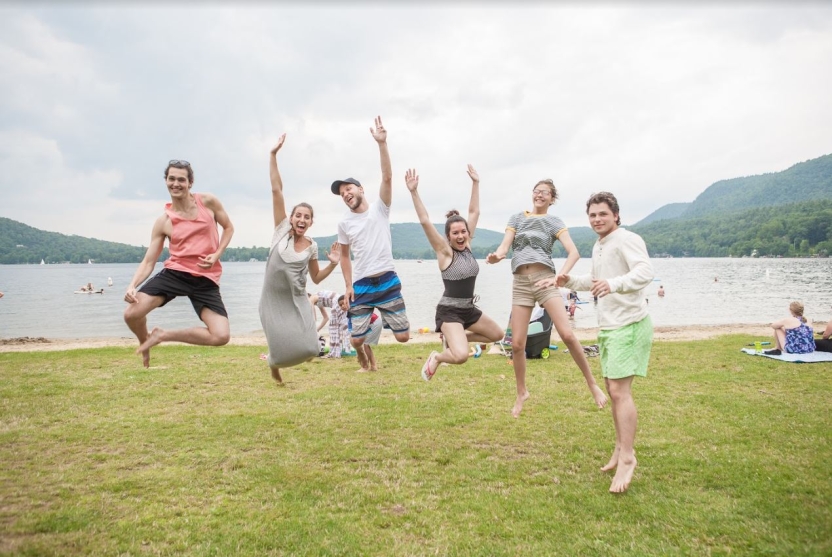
(39, 299)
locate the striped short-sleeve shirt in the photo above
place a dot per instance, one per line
(534, 238)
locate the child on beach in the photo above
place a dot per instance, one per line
(626, 332)
(338, 329)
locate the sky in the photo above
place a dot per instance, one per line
(652, 102)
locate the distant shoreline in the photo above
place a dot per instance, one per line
(681, 333)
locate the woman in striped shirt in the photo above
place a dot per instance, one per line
(532, 235)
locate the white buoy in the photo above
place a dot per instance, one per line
(109, 281)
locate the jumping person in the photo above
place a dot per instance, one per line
(372, 282)
(532, 235)
(287, 317)
(619, 279)
(457, 318)
(193, 269)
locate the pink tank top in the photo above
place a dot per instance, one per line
(192, 239)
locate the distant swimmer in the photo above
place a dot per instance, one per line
(661, 292)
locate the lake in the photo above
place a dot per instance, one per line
(39, 299)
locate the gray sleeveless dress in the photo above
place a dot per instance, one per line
(285, 312)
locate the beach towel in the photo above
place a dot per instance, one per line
(810, 358)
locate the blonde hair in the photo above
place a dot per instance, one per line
(797, 310)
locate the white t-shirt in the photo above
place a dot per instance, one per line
(621, 259)
(368, 235)
(283, 241)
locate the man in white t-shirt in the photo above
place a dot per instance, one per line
(371, 281)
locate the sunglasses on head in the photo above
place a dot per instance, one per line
(175, 162)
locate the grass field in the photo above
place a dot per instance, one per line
(204, 455)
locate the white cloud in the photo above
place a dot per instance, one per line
(653, 104)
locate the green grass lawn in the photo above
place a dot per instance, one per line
(204, 455)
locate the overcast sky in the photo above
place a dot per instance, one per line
(652, 103)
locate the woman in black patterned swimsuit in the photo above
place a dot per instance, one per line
(459, 320)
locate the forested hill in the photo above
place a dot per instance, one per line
(805, 181)
(21, 243)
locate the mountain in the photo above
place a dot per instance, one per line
(806, 181)
(21, 243)
(669, 211)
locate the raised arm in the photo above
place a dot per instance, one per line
(151, 256)
(278, 202)
(315, 271)
(437, 241)
(474, 204)
(385, 192)
(207, 261)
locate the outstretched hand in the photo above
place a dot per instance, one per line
(494, 258)
(379, 133)
(473, 174)
(277, 147)
(411, 179)
(334, 253)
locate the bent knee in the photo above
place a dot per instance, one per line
(221, 339)
(402, 337)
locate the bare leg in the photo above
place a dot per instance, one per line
(626, 421)
(554, 308)
(519, 333)
(457, 344)
(485, 330)
(613, 462)
(371, 357)
(217, 332)
(358, 344)
(780, 339)
(276, 375)
(135, 315)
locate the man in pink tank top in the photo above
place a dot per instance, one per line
(193, 269)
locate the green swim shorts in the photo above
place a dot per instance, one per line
(626, 351)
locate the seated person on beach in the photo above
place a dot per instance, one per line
(792, 335)
(823, 344)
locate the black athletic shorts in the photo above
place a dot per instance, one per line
(203, 292)
(449, 314)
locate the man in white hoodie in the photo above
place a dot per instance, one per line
(621, 270)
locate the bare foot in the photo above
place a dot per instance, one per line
(154, 338)
(362, 370)
(598, 395)
(624, 475)
(612, 463)
(518, 404)
(374, 368)
(276, 375)
(146, 358)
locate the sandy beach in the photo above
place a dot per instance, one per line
(41, 344)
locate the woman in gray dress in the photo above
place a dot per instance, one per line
(287, 318)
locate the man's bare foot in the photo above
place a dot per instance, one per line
(373, 368)
(598, 395)
(276, 375)
(518, 404)
(154, 338)
(613, 461)
(362, 370)
(145, 358)
(624, 475)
